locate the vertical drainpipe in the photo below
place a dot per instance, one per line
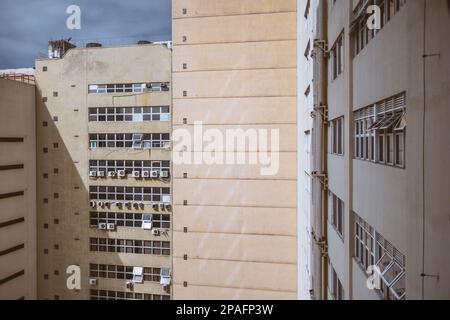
(319, 161)
(324, 151)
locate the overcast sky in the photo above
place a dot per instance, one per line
(27, 25)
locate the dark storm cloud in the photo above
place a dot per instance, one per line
(27, 25)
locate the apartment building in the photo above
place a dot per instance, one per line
(104, 172)
(382, 97)
(17, 189)
(234, 67)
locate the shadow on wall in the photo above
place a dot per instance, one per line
(62, 211)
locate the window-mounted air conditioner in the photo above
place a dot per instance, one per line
(135, 174)
(164, 174)
(102, 226)
(154, 174)
(129, 285)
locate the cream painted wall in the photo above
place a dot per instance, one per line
(236, 69)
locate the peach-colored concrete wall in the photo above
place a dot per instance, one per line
(235, 69)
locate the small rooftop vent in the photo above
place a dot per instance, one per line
(144, 42)
(93, 45)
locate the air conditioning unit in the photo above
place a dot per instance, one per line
(154, 174)
(100, 173)
(93, 204)
(128, 204)
(107, 204)
(101, 204)
(102, 226)
(161, 206)
(145, 174)
(155, 206)
(141, 205)
(111, 226)
(168, 206)
(119, 204)
(136, 174)
(164, 174)
(121, 173)
(129, 285)
(92, 173)
(112, 174)
(155, 232)
(92, 281)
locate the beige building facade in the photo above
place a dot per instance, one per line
(103, 170)
(234, 67)
(384, 96)
(17, 190)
